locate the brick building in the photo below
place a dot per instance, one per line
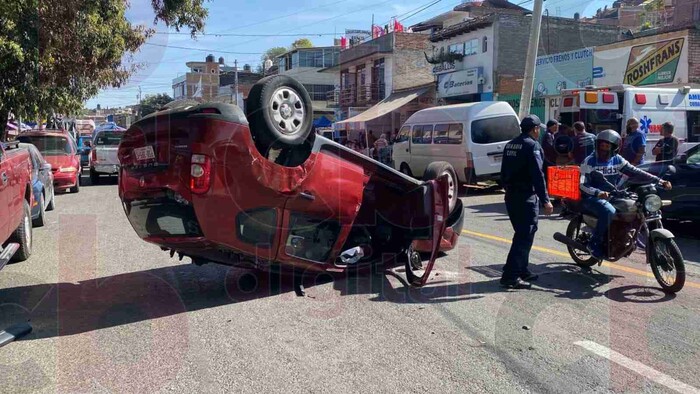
(382, 82)
(479, 48)
(227, 84)
(202, 80)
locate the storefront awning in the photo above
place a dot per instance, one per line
(389, 104)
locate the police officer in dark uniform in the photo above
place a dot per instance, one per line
(523, 180)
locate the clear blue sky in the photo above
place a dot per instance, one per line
(271, 17)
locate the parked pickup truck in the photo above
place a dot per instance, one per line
(16, 198)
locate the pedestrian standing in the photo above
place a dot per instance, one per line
(525, 186)
(667, 147)
(550, 154)
(584, 143)
(635, 143)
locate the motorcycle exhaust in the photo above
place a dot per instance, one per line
(570, 242)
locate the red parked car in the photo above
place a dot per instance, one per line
(260, 190)
(59, 149)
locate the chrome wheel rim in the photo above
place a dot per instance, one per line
(287, 111)
(28, 231)
(451, 190)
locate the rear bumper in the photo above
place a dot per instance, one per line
(471, 177)
(64, 180)
(111, 169)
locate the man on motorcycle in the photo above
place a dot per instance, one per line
(607, 161)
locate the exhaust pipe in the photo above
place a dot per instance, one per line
(569, 242)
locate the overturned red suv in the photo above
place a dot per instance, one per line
(260, 190)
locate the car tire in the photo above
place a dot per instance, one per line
(23, 236)
(437, 169)
(406, 170)
(39, 221)
(52, 203)
(279, 112)
(76, 188)
(94, 177)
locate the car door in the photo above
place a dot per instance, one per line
(318, 218)
(401, 150)
(4, 195)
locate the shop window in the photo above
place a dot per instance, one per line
(471, 47)
(450, 134)
(422, 134)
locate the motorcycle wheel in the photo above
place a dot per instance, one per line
(582, 258)
(667, 264)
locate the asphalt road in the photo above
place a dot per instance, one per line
(114, 314)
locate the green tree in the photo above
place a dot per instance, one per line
(55, 55)
(153, 103)
(302, 43)
(272, 53)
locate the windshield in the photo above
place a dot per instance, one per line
(49, 145)
(109, 138)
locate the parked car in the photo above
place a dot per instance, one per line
(685, 195)
(59, 149)
(103, 157)
(470, 137)
(16, 198)
(42, 185)
(260, 190)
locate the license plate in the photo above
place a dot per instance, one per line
(498, 158)
(144, 153)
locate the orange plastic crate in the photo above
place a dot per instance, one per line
(563, 182)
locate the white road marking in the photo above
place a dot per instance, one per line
(644, 370)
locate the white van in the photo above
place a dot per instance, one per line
(610, 107)
(470, 137)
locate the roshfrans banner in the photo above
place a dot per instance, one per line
(654, 63)
(645, 61)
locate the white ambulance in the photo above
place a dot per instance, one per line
(610, 107)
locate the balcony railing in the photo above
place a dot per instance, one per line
(354, 96)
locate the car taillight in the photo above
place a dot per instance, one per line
(470, 160)
(94, 155)
(200, 174)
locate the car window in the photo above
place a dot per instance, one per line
(422, 134)
(257, 227)
(694, 158)
(448, 133)
(492, 130)
(311, 238)
(50, 145)
(404, 134)
(108, 138)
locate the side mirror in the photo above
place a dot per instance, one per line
(670, 170)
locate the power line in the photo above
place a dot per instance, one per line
(203, 50)
(421, 9)
(247, 35)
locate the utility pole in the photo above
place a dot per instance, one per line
(531, 60)
(235, 81)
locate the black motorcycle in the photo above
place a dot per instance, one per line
(638, 217)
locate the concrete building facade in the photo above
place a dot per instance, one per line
(201, 81)
(303, 65)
